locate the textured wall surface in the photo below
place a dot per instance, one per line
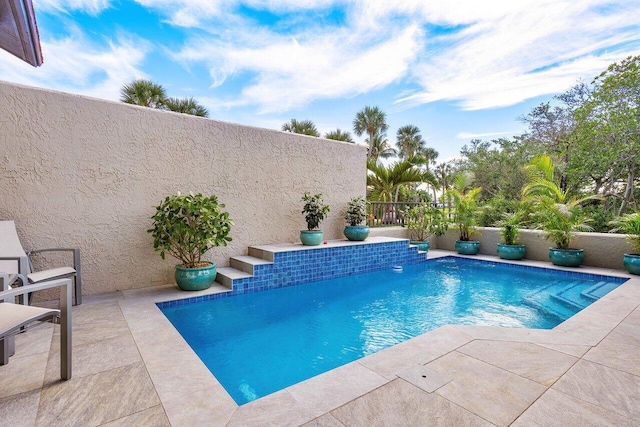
(76, 171)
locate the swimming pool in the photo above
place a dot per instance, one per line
(256, 344)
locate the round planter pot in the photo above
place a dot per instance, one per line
(311, 238)
(566, 257)
(632, 263)
(422, 246)
(471, 247)
(195, 279)
(356, 233)
(513, 252)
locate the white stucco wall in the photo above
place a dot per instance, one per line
(77, 171)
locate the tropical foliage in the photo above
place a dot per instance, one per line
(510, 225)
(629, 224)
(465, 204)
(373, 122)
(149, 94)
(339, 135)
(426, 220)
(384, 182)
(304, 127)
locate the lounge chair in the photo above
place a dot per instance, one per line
(17, 318)
(11, 250)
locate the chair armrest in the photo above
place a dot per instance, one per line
(10, 258)
(76, 254)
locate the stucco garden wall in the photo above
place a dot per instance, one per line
(77, 171)
(600, 249)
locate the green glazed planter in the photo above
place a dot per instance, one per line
(311, 238)
(512, 252)
(632, 263)
(471, 247)
(195, 279)
(356, 233)
(566, 257)
(422, 246)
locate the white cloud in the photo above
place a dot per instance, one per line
(74, 64)
(91, 7)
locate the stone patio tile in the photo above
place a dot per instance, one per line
(399, 403)
(558, 409)
(571, 350)
(609, 388)
(22, 374)
(628, 331)
(210, 406)
(327, 420)
(98, 398)
(616, 354)
(531, 361)
(331, 389)
(95, 357)
(420, 350)
(279, 409)
(424, 378)
(154, 416)
(36, 340)
(492, 393)
(20, 410)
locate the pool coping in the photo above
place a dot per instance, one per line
(187, 388)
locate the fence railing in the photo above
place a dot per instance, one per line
(388, 214)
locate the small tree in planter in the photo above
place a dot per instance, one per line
(629, 225)
(465, 209)
(510, 224)
(355, 216)
(424, 221)
(187, 226)
(558, 213)
(315, 211)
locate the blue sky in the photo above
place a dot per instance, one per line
(457, 69)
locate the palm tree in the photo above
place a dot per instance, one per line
(304, 127)
(379, 148)
(444, 173)
(373, 121)
(466, 205)
(143, 92)
(186, 106)
(384, 181)
(558, 212)
(339, 135)
(409, 141)
(430, 154)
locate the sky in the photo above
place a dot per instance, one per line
(458, 70)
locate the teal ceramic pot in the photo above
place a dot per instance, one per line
(632, 263)
(422, 246)
(512, 252)
(566, 257)
(471, 247)
(195, 279)
(311, 238)
(356, 233)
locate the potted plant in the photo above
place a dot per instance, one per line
(629, 224)
(187, 226)
(425, 221)
(355, 215)
(465, 209)
(315, 211)
(558, 213)
(510, 249)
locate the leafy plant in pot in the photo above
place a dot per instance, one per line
(629, 225)
(424, 221)
(510, 224)
(355, 216)
(186, 226)
(315, 211)
(465, 209)
(558, 213)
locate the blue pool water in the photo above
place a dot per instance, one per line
(259, 343)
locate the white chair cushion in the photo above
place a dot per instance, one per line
(53, 273)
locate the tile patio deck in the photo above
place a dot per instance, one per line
(131, 367)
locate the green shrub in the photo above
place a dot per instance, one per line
(314, 209)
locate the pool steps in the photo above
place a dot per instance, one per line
(565, 298)
(264, 264)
